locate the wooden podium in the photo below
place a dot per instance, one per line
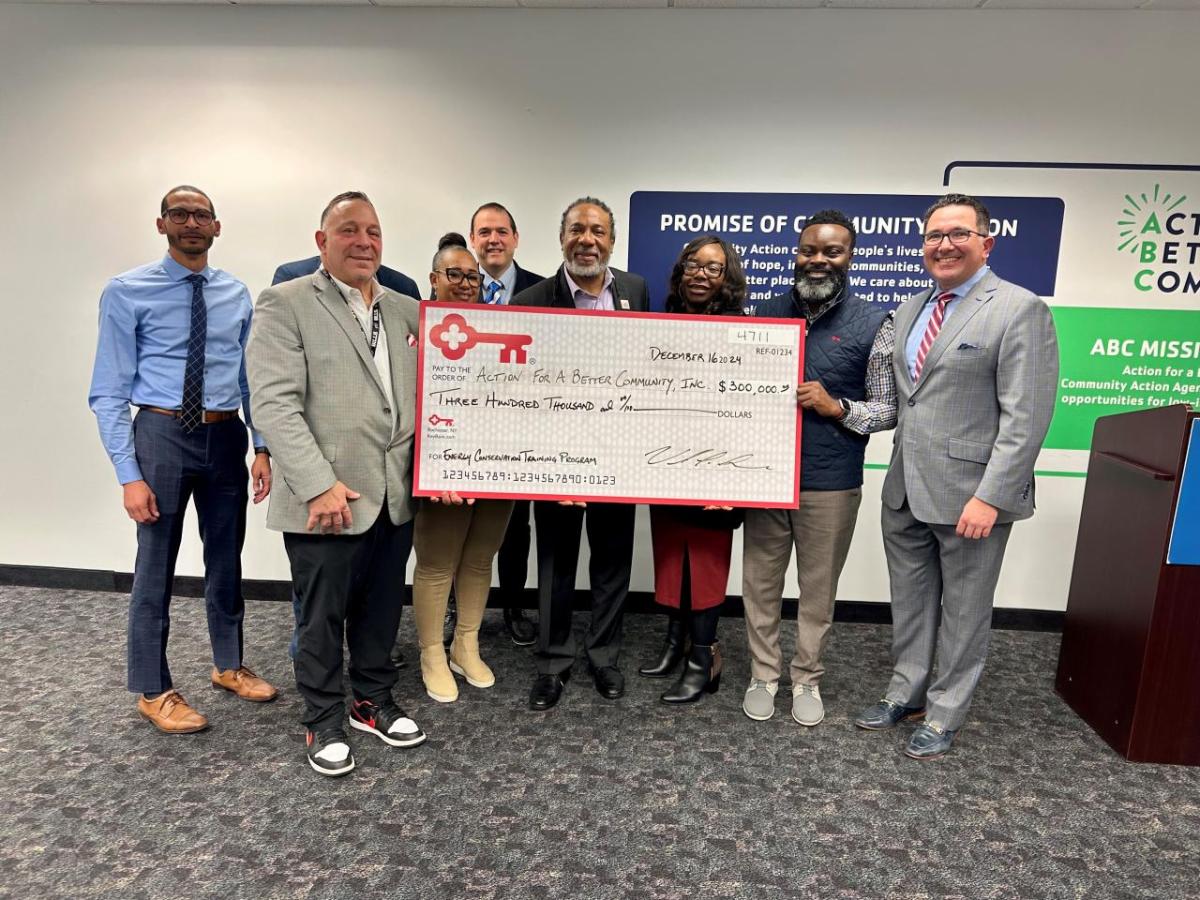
(1130, 657)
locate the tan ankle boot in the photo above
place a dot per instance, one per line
(466, 661)
(439, 682)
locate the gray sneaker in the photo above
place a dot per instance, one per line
(807, 708)
(759, 702)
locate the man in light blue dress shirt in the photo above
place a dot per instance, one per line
(172, 340)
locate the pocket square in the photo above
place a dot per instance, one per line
(966, 345)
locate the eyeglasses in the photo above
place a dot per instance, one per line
(179, 216)
(957, 236)
(712, 269)
(458, 276)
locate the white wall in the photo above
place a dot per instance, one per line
(273, 110)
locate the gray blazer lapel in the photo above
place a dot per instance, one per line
(967, 308)
(328, 296)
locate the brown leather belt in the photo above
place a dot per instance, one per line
(210, 415)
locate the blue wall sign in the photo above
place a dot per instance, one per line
(888, 261)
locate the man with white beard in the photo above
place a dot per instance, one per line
(849, 392)
(584, 281)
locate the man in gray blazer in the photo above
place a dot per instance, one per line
(332, 367)
(976, 365)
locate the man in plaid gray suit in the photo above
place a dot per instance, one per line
(976, 365)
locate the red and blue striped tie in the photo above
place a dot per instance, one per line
(931, 331)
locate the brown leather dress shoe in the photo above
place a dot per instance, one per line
(169, 712)
(244, 683)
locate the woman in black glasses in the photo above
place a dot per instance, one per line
(454, 273)
(692, 546)
(455, 539)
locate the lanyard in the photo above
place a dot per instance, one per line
(376, 318)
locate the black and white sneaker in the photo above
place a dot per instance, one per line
(328, 752)
(388, 723)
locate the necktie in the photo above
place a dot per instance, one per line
(191, 411)
(931, 331)
(491, 295)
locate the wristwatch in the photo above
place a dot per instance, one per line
(845, 408)
(263, 450)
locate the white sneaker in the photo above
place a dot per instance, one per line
(759, 702)
(807, 708)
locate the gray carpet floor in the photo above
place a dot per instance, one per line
(595, 799)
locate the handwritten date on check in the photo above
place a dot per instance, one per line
(618, 407)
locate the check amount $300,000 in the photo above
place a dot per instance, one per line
(558, 404)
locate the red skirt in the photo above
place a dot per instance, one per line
(707, 551)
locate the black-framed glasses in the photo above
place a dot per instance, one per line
(957, 236)
(458, 276)
(712, 269)
(179, 216)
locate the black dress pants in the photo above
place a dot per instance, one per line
(351, 587)
(610, 539)
(512, 562)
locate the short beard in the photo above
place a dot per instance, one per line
(819, 291)
(189, 251)
(579, 271)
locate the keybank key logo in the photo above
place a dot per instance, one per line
(454, 337)
(1164, 234)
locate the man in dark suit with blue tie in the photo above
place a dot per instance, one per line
(494, 238)
(393, 281)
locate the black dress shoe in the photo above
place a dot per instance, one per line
(546, 691)
(610, 683)
(521, 629)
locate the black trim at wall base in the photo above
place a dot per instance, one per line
(864, 612)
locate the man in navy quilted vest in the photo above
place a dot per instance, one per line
(848, 392)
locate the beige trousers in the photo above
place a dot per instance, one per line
(455, 546)
(820, 530)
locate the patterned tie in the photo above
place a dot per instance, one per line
(931, 331)
(191, 411)
(492, 292)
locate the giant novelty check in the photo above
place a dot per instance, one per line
(569, 404)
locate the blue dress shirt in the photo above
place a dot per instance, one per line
(913, 343)
(145, 318)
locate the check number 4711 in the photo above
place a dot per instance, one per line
(780, 337)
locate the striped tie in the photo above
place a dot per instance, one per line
(491, 295)
(931, 331)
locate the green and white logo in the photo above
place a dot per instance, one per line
(1165, 237)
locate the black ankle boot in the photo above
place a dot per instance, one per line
(701, 675)
(672, 652)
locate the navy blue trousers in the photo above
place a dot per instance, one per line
(207, 466)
